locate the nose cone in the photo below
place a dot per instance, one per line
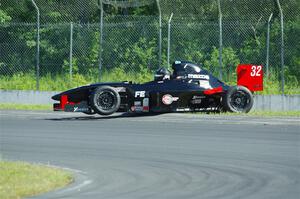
(56, 97)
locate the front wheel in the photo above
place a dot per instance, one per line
(238, 99)
(105, 100)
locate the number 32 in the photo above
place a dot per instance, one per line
(255, 71)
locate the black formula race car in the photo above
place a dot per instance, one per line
(188, 88)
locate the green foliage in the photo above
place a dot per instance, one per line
(50, 82)
(140, 55)
(292, 50)
(120, 74)
(66, 66)
(229, 59)
(54, 16)
(252, 50)
(187, 50)
(4, 17)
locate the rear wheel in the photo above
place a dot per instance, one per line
(105, 100)
(238, 99)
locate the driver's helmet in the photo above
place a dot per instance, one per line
(162, 74)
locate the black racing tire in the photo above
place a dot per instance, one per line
(238, 99)
(105, 100)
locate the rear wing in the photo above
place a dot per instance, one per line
(250, 76)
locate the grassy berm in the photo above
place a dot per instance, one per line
(19, 179)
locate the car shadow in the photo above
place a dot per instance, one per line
(97, 117)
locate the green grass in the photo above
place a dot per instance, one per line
(62, 82)
(19, 179)
(275, 113)
(49, 82)
(10, 106)
(265, 113)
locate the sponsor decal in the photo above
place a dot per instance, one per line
(196, 76)
(132, 108)
(146, 105)
(120, 89)
(140, 94)
(80, 109)
(83, 109)
(146, 102)
(205, 84)
(136, 108)
(183, 109)
(137, 103)
(197, 99)
(168, 99)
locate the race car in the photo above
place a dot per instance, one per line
(188, 88)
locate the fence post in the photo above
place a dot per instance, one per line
(220, 40)
(71, 51)
(268, 46)
(101, 38)
(160, 33)
(37, 46)
(169, 40)
(282, 47)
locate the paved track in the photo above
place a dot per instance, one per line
(163, 156)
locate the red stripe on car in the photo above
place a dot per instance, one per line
(213, 91)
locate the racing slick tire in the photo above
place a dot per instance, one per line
(238, 99)
(105, 100)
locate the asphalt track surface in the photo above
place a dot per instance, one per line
(160, 156)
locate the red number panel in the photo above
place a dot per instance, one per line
(250, 76)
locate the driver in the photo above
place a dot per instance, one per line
(162, 74)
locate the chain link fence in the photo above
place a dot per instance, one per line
(76, 42)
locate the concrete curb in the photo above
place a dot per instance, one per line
(277, 102)
(26, 97)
